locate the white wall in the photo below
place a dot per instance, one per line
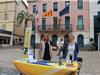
(94, 8)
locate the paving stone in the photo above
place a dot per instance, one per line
(90, 66)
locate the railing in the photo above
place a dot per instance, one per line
(60, 27)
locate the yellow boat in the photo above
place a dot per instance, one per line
(50, 69)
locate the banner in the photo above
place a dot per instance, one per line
(27, 37)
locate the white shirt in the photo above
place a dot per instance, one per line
(60, 44)
(71, 49)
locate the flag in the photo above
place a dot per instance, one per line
(48, 13)
(64, 11)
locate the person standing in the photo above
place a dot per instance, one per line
(41, 48)
(64, 46)
(46, 48)
(60, 46)
(71, 49)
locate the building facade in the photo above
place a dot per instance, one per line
(9, 33)
(57, 27)
(94, 7)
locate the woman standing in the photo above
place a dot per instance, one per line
(71, 49)
(46, 51)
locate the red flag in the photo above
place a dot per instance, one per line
(48, 13)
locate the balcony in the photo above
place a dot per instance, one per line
(54, 28)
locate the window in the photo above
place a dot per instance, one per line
(44, 7)
(6, 5)
(5, 16)
(4, 41)
(34, 9)
(55, 6)
(80, 22)
(43, 23)
(67, 3)
(67, 22)
(3, 27)
(80, 4)
(8, 42)
(54, 22)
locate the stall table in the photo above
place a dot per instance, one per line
(45, 68)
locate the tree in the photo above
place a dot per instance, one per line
(24, 17)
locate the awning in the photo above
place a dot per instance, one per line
(5, 32)
(4, 37)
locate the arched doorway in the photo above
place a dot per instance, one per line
(54, 40)
(80, 40)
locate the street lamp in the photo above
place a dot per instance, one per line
(32, 41)
(33, 36)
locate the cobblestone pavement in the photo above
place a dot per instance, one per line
(90, 66)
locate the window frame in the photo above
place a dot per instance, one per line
(55, 6)
(55, 23)
(44, 7)
(43, 24)
(79, 4)
(67, 3)
(34, 7)
(67, 23)
(80, 18)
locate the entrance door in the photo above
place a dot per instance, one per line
(96, 29)
(80, 40)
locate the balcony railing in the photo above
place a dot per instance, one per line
(51, 28)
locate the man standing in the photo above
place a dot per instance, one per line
(60, 46)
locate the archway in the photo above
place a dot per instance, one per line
(80, 40)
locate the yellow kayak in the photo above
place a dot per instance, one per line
(50, 69)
